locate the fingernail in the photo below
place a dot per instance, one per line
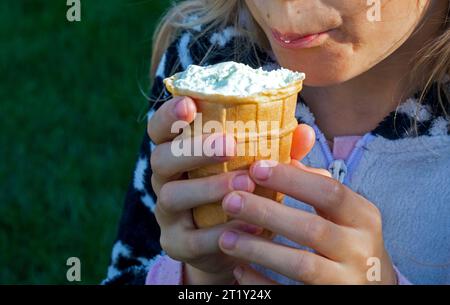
(262, 170)
(181, 109)
(243, 183)
(233, 203)
(238, 272)
(229, 239)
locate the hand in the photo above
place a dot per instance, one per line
(345, 233)
(180, 239)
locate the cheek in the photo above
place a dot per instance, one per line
(350, 52)
(354, 48)
(260, 10)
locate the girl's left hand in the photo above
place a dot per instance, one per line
(346, 233)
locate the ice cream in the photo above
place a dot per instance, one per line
(233, 79)
(233, 92)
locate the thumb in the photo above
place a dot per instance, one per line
(303, 141)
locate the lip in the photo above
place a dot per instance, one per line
(300, 41)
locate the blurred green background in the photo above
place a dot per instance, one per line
(71, 119)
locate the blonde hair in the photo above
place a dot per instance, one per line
(210, 14)
(433, 58)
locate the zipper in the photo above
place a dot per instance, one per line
(339, 169)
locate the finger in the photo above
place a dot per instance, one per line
(319, 171)
(205, 241)
(174, 222)
(158, 181)
(296, 264)
(188, 245)
(303, 141)
(178, 196)
(327, 195)
(159, 126)
(213, 149)
(301, 227)
(246, 275)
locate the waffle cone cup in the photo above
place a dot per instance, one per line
(273, 114)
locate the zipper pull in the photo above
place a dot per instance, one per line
(338, 170)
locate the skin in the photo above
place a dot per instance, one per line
(199, 249)
(346, 72)
(344, 77)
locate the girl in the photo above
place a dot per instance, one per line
(370, 201)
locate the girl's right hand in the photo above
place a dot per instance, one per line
(199, 249)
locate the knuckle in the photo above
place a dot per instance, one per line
(157, 162)
(221, 183)
(162, 218)
(165, 244)
(251, 251)
(165, 198)
(304, 268)
(158, 215)
(193, 246)
(263, 214)
(155, 158)
(171, 248)
(151, 130)
(155, 184)
(317, 231)
(363, 253)
(335, 192)
(374, 217)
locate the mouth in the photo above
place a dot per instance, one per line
(300, 41)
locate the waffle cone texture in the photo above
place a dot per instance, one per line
(270, 114)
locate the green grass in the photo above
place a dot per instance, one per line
(71, 120)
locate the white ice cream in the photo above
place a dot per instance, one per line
(233, 79)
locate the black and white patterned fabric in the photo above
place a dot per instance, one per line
(138, 235)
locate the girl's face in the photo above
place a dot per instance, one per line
(333, 41)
